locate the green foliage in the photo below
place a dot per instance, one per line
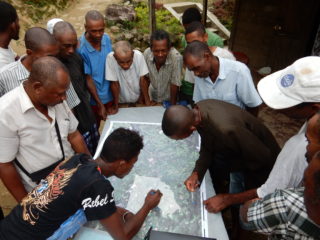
(140, 27)
(39, 9)
(224, 11)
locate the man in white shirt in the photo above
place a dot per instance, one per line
(37, 128)
(126, 69)
(293, 91)
(9, 29)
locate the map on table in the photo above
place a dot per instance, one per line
(163, 164)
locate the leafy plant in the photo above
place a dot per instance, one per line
(140, 27)
(224, 12)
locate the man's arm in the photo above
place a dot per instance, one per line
(115, 89)
(12, 180)
(221, 201)
(126, 229)
(77, 143)
(144, 86)
(201, 166)
(173, 94)
(93, 91)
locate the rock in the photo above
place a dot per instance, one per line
(128, 36)
(116, 12)
(115, 29)
(146, 37)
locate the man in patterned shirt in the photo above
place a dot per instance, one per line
(288, 214)
(165, 65)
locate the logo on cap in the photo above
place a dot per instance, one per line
(287, 80)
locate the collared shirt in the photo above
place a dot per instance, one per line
(94, 65)
(229, 130)
(234, 85)
(282, 215)
(7, 55)
(219, 52)
(291, 162)
(27, 135)
(169, 73)
(13, 74)
(129, 80)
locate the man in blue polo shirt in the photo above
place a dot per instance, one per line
(94, 47)
(220, 78)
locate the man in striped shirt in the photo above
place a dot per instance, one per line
(39, 43)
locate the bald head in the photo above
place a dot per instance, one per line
(122, 48)
(37, 37)
(196, 49)
(177, 121)
(93, 15)
(45, 70)
(62, 28)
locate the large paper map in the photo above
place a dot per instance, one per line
(165, 164)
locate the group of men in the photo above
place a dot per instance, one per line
(53, 98)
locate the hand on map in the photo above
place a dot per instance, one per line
(192, 182)
(153, 198)
(216, 203)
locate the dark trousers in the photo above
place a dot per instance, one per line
(1, 214)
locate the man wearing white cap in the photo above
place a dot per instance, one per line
(295, 91)
(51, 23)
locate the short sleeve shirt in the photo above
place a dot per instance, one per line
(169, 73)
(234, 85)
(291, 162)
(75, 184)
(129, 80)
(94, 65)
(282, 215)
(27, 135)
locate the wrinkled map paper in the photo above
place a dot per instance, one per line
(139, 190)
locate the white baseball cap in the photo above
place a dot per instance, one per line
(51, 23)
(298, 83)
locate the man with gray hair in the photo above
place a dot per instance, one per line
(37, 128)
(127, 70)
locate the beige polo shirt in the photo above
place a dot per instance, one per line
(27, 135)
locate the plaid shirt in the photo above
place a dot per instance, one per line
(282, 215)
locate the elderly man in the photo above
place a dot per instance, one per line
(39, 43)
(9, 29)
(294, 92)
(94, 47)
(66, 36)
(126, 69)
(37, 128)
(220, 78)
(77, 191)
(165, 67)
(290, 213)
